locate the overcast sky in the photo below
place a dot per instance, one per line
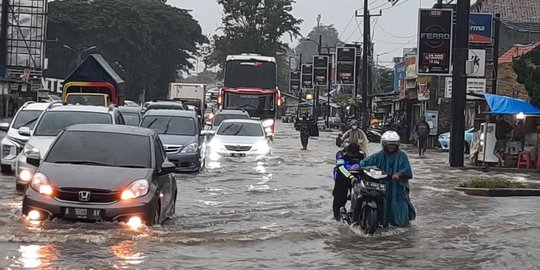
(395, 30)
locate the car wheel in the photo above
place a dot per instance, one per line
(155, 220)
(5, 168)
(173, 208)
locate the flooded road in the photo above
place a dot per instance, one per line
(276, 214)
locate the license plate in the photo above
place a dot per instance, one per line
(83, 213)
(238, 155)
(375, 185)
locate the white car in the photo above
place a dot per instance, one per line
(239, 138)
(13, 142)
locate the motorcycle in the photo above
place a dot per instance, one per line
(367, 200)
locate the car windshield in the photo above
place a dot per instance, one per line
(132, 119)
(26, 118)
(221, 117)
(170, 125)
(95, 100)
(240, 129)
(53, 122)
(102, 149)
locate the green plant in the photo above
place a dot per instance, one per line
(491, 183)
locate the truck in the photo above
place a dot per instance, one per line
(191, 94)
(94, 82)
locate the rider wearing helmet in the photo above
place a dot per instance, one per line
(342, 177)
(399, 210)
(356, 136)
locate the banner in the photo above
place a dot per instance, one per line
(480, 28)
(346, 66)
(307, 76)
(474, 86)
(479, 60)
(435, 41)
(423, 91)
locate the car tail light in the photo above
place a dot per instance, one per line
(135, 190)
(40, 183)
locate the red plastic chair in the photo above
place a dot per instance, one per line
(524, 159)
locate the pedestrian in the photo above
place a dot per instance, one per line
(422, 131)
(304, 132)
(502, 128)
(398, 208)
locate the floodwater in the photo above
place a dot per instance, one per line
(276, 214)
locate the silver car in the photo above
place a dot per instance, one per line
(239, 138)
(49, 125)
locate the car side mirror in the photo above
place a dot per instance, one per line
(4, 127)
(34, 160)
(24, 131)
(167, 168)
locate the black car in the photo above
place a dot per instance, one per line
(103, 172)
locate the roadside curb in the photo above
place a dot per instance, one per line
(499, 192)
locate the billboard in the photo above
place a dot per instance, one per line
(307, 76)
(480, 28)
(26, 35)
(294, 81)
(435, 33)
(346, 66)
(320, 70)
(399, 75)
(474, 86)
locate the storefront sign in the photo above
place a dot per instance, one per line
(478, 57)
(474, 86)
(410, 72)
(399, 75)
(480, 28)
(432, 118)
(423, 91)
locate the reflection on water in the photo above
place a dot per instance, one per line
(126, 254)
(34, 256)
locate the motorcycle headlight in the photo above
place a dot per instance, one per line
(135, 190)
(30, 150)
(191, 148)
(40, 183)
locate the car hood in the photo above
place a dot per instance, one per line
(93, 177)
(177, 139)
(239, 140)
(43, 143)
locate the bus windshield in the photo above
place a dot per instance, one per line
(256, 105)
(250, 74)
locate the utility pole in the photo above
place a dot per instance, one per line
(366, 55)
(459, 83)
(3, 54)
(300, 97)
(317, 88)
(495, 53)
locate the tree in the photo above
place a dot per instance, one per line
(206, 77)
(330, 38)
(253, 26)
(384, 80)
(145, 41)
(527, 69)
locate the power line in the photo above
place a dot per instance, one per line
(392, 35)
(400, 4)
(346, 27)
(382, 5)
(400, 47)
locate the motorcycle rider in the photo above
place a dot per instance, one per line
(356, 136)
(342, 177)
(399, 210)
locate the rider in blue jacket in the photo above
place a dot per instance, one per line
(342, 177)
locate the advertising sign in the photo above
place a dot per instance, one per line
(478, 57)
(432, 118)
(320, 71)
(294, 82)
(307, 76)
(435, 41)
(423, 91)
(399, 75)
(410, 72)
(474, 86)
(346, 66)
(480, 28)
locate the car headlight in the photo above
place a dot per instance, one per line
(30, 150)
(267, 123)
(261, 147)
(191, 148)
(40, 183)
(135, 190)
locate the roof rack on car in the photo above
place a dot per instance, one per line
(28, 103)
(57, 102)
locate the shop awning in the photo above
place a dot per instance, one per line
(507, 105)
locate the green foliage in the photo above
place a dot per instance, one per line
(253, 26)
(527, 69)
(345, 100)
(206, 77)
(384, 80)
(145, 41)
(482, 182)
(330, 38)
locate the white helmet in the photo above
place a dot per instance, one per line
(390, 137)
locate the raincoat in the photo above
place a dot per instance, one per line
(399, 210)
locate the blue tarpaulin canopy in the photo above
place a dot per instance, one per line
(507, 105)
